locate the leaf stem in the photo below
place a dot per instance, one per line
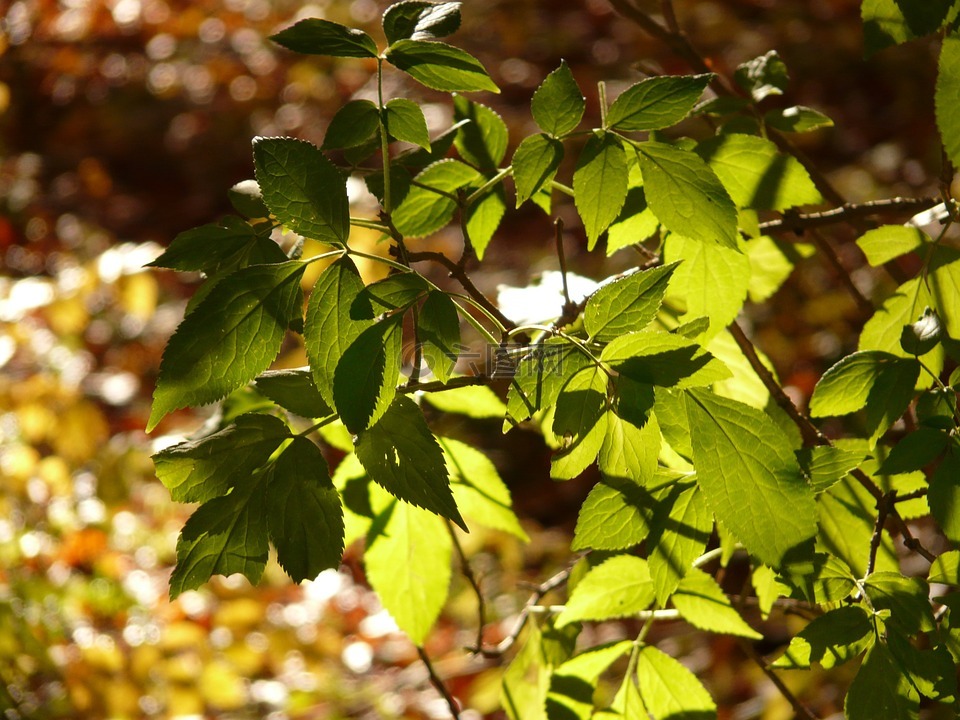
(483, 189)
(384, 142)
(372, 224)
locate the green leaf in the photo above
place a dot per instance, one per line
(314, 36)
(702, 603)
(429, 205)
(484, 216)
(418, 20)
(365, 381)
(915, 451)
(679, 533)
(847, 519)
(303, 189)
(403, 457)
(615, 516)
(830, 640)
(354, 124)
(541, 374)
(395, 292)
(944, 495)
(334, 321)
(946, 569)
(771, 263)
(293, 390)
(711, 280)
(883, 244)
(756, 175)
(246, 198)
(535, 163)
(408, 565)
(226, 535)
(438, 331)
(892, 22)
(948, 89)
(558, 104)
(526, 681)
(627, 304)
(763, 76)
(931, 672)
(629, 448)
(878, 381)
(636, 221)
(880, 690)
(656, 358)
(826, 464)
(670, 690)
(600, 184)
(221, 247)
(304, 515)
(478, 490)
(202, 469)
(232, 336)
(618, 587)
(943, 280)
(821, 578)
(474, 401)
(656, 102)
(439, 66)
(686, 195)
(760, 496)
(907, 599)
(482, 141)
(796, 119)
(580, 421)
(573, 683)
(922, 336)
(405, 122)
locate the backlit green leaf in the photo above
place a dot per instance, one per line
(365, 381)
(760, 496)
(891, 22)
(948, 90)
(303, 189)
(540, 375)
(395, 292)
(670, 690)
(600, 184)
(831, 639)
(430, 204)
(475, 401)
(405, 122)
(558, 104)
(703, 604)
(573, 683)
(408, 564)
(686, 195)
(402, 456)
(656, 102)
(944, 495)
(679, 533)
(636, 221)
(484, 216)
(439, 66)
(630, 450)
(756, 174)
(915, 451)
(771, 263)
(482, 141)
(627, 304)
(825, 465)
(580, 422)
(880, 690)
(847, 519)
(232, 336)
(334, 321)
(615, 516)
(655, 358)
(618, 587)
(946, 569)
(354, 124)
(198, 470)
(535, 163)
(419, 20)
(218, 247)
(438, 332)
(315, 36)
(887, 242)
(304, 515)
(294, 390)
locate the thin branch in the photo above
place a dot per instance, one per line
(438, 684)
(562, 258)
(847, 213)
(883, 509)
(863, 304)
(801, 710)
(468, 573)
(437, 385)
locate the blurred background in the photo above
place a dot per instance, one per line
(123, 123)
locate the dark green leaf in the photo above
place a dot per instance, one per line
(831, 639)
(686, 195)
(402, 456)
(430, 204)
(216, 248)
(915, 451)
(931, 672)
(482, 140)
(314, 36)
(354, 124)
(600, 184)
(880, 690)
(294, 390)
(558, 104)
(333, 321)
(944, 495)
(656, 102)
(826, 464)
(418, 20)
(948, 89)
(247, 199)
(226, 535)
(438, 332)
(892, 22)
(231, 337)
(405, 122)
(199, 470)
(921, 337)
(304, 515)
(535, 163)
(821, 578)
(439, 66)
(365, 381)
(484, 216)
(627, 304)
(907, 599)
(395, 292)
(303, 189)
(796, 119)
(760, 496)
(763, 76)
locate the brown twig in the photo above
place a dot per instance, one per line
(884, 506)
(471, 578)
(438, 684)
(863, 304)
(800, 710)
(847, 213)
